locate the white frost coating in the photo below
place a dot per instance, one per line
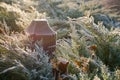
(64, 61)
(40, 20)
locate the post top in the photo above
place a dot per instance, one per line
(40, 20)
(40, 27)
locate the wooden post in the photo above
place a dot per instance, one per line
(39, 29)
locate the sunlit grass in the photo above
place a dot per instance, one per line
(87, 37)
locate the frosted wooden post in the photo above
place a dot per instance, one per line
(40, 29)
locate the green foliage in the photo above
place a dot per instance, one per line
(107, 42)
(84, 33)
(10, 17)
(87, 37)
(15, 74)
(8, 1)
(16, 63)
(16, 17)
